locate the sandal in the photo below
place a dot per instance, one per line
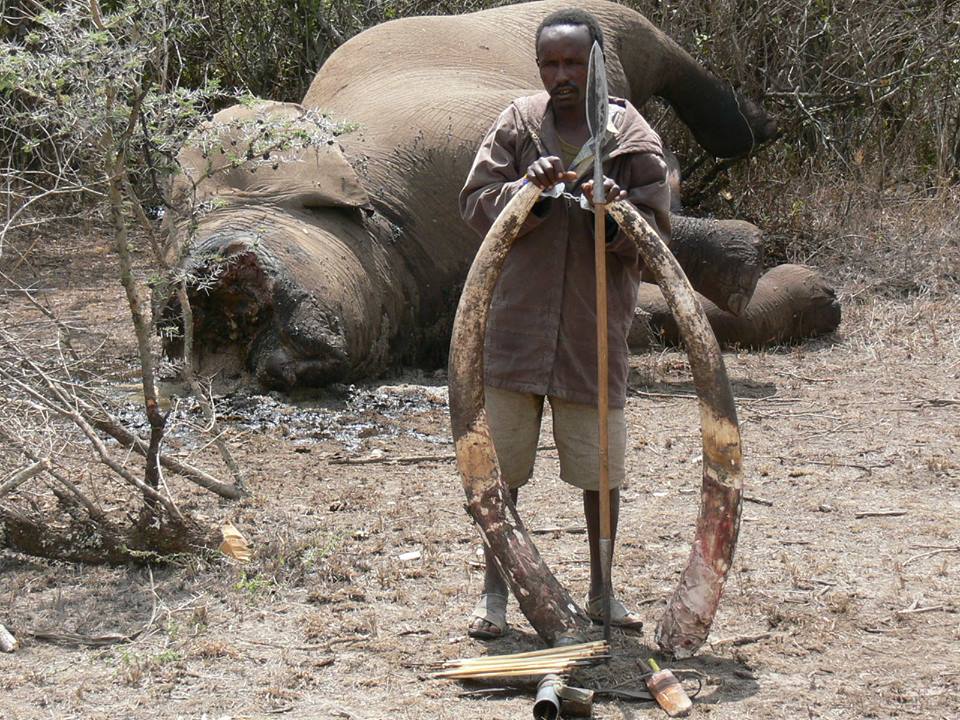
(492, 610)
(619, 615)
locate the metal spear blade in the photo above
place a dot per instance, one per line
(598, 112)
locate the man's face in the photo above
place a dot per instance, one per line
(563, 54)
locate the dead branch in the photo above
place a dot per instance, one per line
(406, 459)
(100, 542)
(742, 640)
(569, 529)
(919, 610)
(129, 440)
(22, 475)
(62, 407)
(400, 460)
(880, 513)
(75, 640)
(92, 509)
(931, 553)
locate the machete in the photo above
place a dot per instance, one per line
(598, 112)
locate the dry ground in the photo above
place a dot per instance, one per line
(826, 614)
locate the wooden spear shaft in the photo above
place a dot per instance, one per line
(603, 403)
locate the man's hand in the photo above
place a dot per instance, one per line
(612, 191)
(546, 172)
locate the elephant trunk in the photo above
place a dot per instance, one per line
(723, 122)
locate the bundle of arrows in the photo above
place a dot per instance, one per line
(557, 661)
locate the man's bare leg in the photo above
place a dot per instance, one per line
(591, 511)
(494, 583)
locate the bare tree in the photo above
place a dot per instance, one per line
(93, 114)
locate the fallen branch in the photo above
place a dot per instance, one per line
(97, 541)
(757, 500)
(400, 460)
(75, 640)
(742, 640)
(880, 513)
(569, 529)
(195, 475)
(919, 610)
(826, 463)
(61, 404)
(406, 459)
(937, 551)
(94, 512)
(22, 475)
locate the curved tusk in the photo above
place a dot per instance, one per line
(544, 601)
(689, 614)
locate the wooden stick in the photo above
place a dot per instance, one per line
(530, 664)
(937, 551)
(520, 659)
(603, 405)
(597, 647)
(918, 610)
(538, 670)
(406, 459)
(880, 513)
(569, 529)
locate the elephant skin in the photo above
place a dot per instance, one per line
(317, 285)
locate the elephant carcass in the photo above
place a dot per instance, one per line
(419, 94)
(791, 302)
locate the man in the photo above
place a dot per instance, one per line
(541, 333)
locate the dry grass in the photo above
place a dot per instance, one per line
(825, 615)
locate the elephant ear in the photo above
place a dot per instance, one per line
(270, 153)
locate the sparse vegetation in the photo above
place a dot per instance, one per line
(827, 615)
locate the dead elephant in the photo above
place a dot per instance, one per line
(340, 257)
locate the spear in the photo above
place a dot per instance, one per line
(597, 114)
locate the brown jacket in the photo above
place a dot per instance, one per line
(541, 332)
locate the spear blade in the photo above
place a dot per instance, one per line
(598, 113)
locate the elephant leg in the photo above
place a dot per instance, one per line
(721, 258)
(791, 302)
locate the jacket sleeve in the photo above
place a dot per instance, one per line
(495, 178)
(649, 193)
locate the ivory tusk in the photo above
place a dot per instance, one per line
(686, 622)
(690, 612)
(544, 601)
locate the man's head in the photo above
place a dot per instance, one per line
(564, 40)
(571, 16)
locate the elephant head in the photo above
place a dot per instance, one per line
(293, 282)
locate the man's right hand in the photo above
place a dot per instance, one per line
(546, 172)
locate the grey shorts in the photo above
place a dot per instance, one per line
(514, 420)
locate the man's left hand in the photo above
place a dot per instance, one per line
(612, 191)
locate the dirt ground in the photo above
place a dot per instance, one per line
(842, 602)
